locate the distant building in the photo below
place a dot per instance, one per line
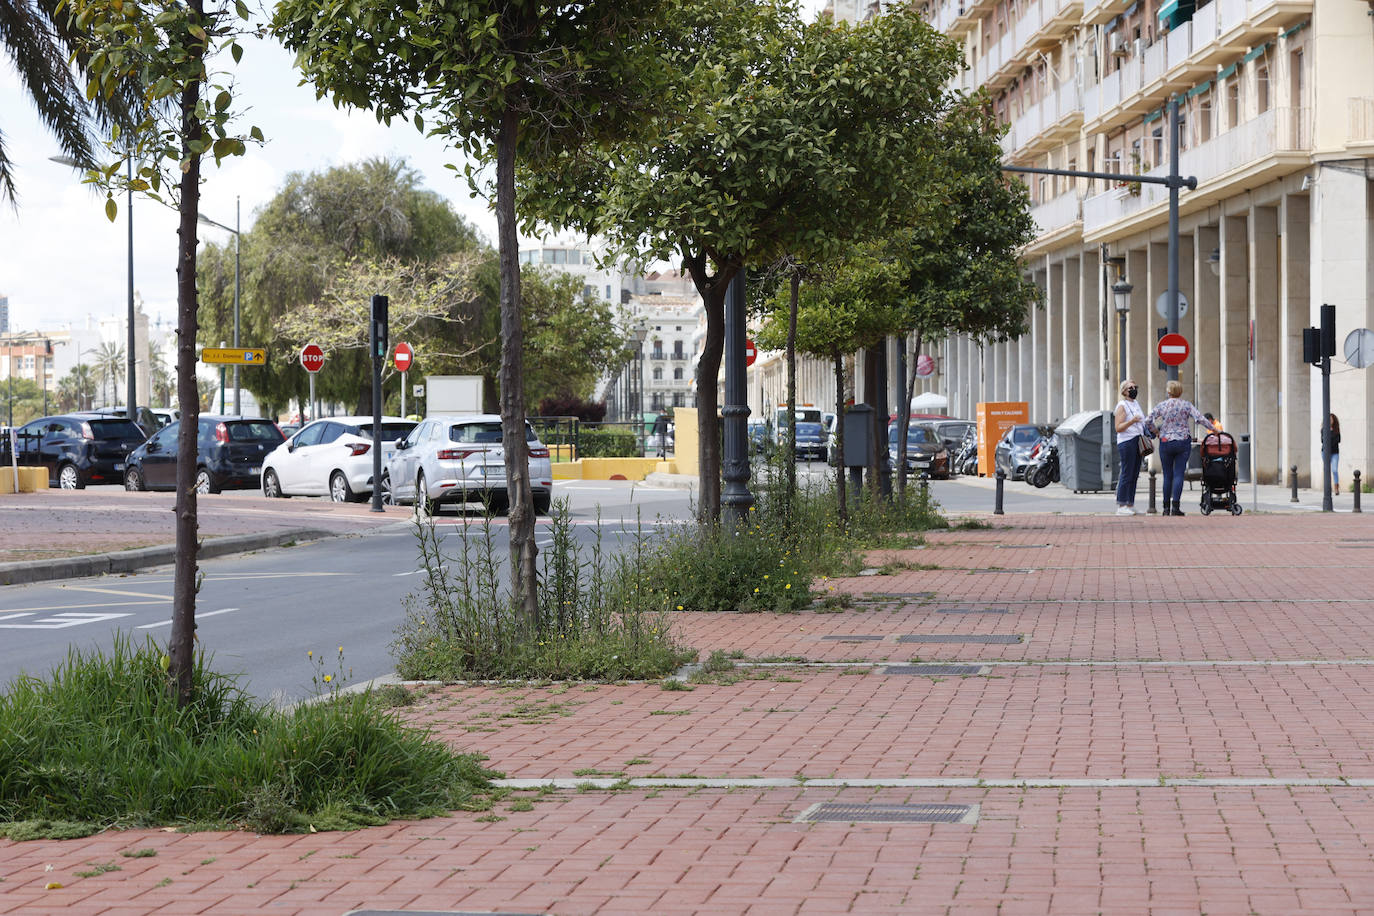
(4, 314)
(576, 257)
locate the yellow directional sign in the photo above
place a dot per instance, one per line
(233, 356)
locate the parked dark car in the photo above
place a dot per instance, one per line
(229, 454)
(953, 432)
(810, 441)
(924, 450)
(78, 448)
(1013, 452)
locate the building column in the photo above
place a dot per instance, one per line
(1072, 334)
(1040, 376)
(1090, 362)
(1055, 379)
(1234, 317)
(1265, 280)
(1025, 346)
(1013, 389)
(1139, 327)
(1206, 313)
(1342, 244)
(1157, 285)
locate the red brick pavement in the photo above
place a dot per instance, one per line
(1251, 599)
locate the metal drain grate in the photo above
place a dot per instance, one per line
(987, 639)
(837, 812)
(934, 670)
(972, 610)
(855, 638)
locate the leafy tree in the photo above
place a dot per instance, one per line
(44, 46)
(786, 140)
(76, 389)
(506, 82)
(110, 363)
(164, 53)
(21, 400)
(846, 308)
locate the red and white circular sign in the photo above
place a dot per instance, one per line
(1173, 349)
(925, 366)
(403, 356)
(312, 358)
(750, 353)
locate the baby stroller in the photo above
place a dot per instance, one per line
(1218, 452)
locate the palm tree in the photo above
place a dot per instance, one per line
(74, 389)
(109, 362)
(39, 42)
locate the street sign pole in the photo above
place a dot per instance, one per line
(379, 347)
(1174, 182)
(403, 393)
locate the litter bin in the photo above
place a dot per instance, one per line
(858, 436)
(1087, 452)
(1243, 459)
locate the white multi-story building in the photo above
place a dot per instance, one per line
(1277, 109)
(574, 256)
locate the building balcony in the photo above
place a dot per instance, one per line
(1058, 217)
(1360, 125)
(1276, 143)
(1097, 12)
(667, 384)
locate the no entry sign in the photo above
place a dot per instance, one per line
(403, 356)
(1173, 349)
(750, 353)
(312, 358)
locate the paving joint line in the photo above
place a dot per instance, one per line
(957, 782)
(1052, 663)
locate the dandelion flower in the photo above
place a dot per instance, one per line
(679, 607)
(788, 585)
(328, 678)
(310, 654)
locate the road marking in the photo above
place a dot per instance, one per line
(548, 543)
(20, 614)
(114, 591)
(72, 607)
(416, 572)
(61, 621)
(168, 623)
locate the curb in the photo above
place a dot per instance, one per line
(673, 481)
(123, 561)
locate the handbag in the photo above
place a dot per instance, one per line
(1145, 445)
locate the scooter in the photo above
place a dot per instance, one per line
(1046, 467)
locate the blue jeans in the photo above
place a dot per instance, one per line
(1335, 469)
(1129, 453)
(1173, 457)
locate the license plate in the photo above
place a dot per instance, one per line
(255, 469)
(922, 464)
(119, 467)
(488, 471)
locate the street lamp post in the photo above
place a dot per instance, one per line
(1121, 292)
(237, 237)
(640, 333)
(132, 393)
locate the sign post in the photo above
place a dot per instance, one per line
(380, 307)
(402, 359)
(312, 358)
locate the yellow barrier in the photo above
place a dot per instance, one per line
(30, 479)
(618, 468)
(567, 470)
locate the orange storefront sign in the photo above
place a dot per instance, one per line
(995, 418)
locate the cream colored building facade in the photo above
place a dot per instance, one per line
(1277, 108)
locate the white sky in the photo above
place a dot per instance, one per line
(61, 260)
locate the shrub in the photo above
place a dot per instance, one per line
(102, 743)
(570, 405)
(606, 443)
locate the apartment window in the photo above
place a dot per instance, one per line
(658, 375)
(608, 291)
(1042, 190)
(677, 373)
(1182, 129)
(1297, 84)
(677, 348)
(1156, 146)
(1262, 84)
(589, 291)
(678, 400)
(679, 328)
(1232, 100)
(1204, 117)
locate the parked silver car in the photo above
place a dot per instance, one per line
(460, 459)
(330, 457)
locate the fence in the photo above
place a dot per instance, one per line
(569, 438)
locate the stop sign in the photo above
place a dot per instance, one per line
(750, 353)
(312, 358)
(1173, 349)
(403, 357)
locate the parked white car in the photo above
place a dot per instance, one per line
(458, 459)
(330, 457)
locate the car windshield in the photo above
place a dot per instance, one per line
(1025, 435)
(115, 429)
(390, 431)
(253, 431)
(915, 435)
(485, 433)
(955, 430)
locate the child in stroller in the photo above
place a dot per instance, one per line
(1218, 452)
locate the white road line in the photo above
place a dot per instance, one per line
(168, 623)
(73, 607)
(415, 572)
(113, 591)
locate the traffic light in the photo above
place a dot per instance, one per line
(379, 327)
(1311, 345)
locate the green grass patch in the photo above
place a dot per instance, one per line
(101, 742)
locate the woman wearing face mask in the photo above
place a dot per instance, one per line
(1130, 426)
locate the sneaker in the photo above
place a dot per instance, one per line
(1124, 510)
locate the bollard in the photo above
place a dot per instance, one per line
(925, 488)
(1355, 507)
(1293, 479)
(1001, 482)
(1152, 510)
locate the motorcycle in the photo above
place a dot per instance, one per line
(1046, 466)
(965, 460)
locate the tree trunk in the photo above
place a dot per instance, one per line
(904, 418)
(840, 469)
(791, 462)
(712, 290)
(523, 550)
(878, 423)
(184, 586)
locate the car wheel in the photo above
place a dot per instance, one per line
(271, 486)
(424, 506)
(339, 490)
(205, 482)
(387, 498)
(69, 478)
(133, 480)
(542, 503)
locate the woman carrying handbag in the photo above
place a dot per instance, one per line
(1132, 445)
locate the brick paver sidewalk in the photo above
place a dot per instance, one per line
(1177, 718)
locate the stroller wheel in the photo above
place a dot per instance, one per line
(1236, 509)
(1206, 503)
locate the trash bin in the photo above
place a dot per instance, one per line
(1087, 452)
(858, 436)
(1243, 460)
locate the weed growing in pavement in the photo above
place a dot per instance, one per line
(601, 618)
(101, 742)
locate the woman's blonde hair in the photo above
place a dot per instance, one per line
(1174, 388)
(1128, 383)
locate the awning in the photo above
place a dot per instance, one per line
(1199, 89)
(1296, 29)
(1254, 52)
(1227, 72)
(1154, 115)
(1166, 9)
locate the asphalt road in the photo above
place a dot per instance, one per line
(260, 613)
